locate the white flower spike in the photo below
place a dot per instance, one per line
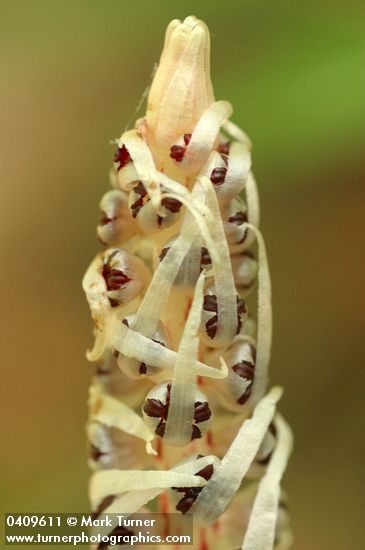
(179, 405)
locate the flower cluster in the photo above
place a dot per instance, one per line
(179, 413)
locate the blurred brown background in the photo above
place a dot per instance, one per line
(72, 75)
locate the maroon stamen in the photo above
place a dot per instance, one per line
(186, 502)
(137, 205)
(140, 189)
(205, 257)
(171, 204)
(191, 493)
(223, 148)
(164, 251)
(95, 452)
(211, 326)
(154, 408)
(114, 278)
(202, 412)
(122, 157)
(244, 369)
(187, 138)
(206, 472)
(210, 303)
(177, 152)
(242, 400)
(238, 218)
(241, 306)
(142, 368)
(218, 175)
(104, 219)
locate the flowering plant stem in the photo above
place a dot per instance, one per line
(180, 417)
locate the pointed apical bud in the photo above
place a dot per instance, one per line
(181, 88)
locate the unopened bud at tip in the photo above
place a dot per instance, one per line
(181, 89)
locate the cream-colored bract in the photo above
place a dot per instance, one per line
(183, 370)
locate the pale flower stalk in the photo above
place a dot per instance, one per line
(181, 419)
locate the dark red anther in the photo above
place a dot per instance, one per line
(107, 501)
(187, 138)
(114, 278)
(160, 430)
(164, 251)
(206, 472)
(95, 452)
(122, 157)
(211, 327)
(273, 430)
(238, 218)
(142, 368)
(244, 369)
(140, 190)
(244, 397)
(191, 493)
(223, 148)
(205, 257)
(218, 175)
(195, 433)
(185, 503)
(154, 408)
(173, 205)
(102, 371)
(104, 220)
(210, 303)
(241, 306)
(177, 152)
(202, 412)
(136, 207)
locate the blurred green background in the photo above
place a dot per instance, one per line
(73, 72)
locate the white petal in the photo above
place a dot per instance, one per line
(183, 387)
(260, 533)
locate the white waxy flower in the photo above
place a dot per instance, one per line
(179, 408)
(115, 225)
